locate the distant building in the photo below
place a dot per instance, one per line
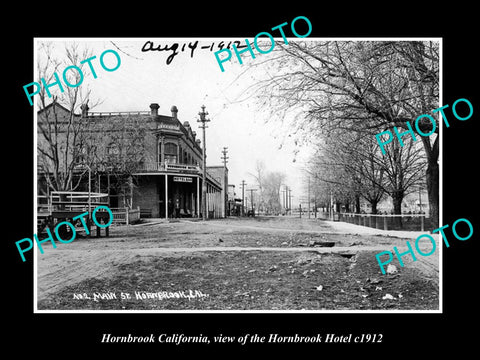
(234, 204)
(158, 157)
(220, 174)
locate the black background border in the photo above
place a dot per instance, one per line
(403, 333)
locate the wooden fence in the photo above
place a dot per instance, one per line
(412, 222)
(125, 215)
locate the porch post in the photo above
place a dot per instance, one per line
(166, 196)
(198, 197)
(208, 200)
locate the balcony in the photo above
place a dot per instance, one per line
(182, 167)
(155, 166)
(152, 167)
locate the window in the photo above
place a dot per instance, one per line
(170, 153)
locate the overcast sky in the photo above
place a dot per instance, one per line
(188, 83)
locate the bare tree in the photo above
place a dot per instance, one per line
(259, 177)
(117, 148)
(356, 165)
(350, 171)
(72, 143)
(269, 187)
(272, 186)
(364, 87)
(62, 132)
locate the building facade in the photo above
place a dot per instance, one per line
(141, 159)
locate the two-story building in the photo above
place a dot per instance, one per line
(160, 155)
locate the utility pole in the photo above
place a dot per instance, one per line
(243, 197)
(225, 181)
(251, 200)
(284, 200)
(204, 120)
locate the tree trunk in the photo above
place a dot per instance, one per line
(374, 206)
(347, 207)
(433, 192)
(432, 179)
(397, 198)
(357, 204)
(338, 207)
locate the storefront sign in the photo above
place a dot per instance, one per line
(182, 179)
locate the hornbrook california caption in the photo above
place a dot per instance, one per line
(179, 339)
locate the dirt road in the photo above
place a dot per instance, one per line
(221, 248)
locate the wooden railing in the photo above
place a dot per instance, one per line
(182, 167)
(118, 113)
(125, 215)
(195, 169)
(417, 222)
(154, 166)
(75, 200)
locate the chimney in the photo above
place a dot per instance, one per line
(84, 108)
(154, 109)
(174, 111)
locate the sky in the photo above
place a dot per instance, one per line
(188, 82)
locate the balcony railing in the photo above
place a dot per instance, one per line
(182, 167)
(193, 169)
(153, 166)
(118, 113)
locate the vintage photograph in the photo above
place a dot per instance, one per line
(217, 175)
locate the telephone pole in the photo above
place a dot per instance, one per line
(243, 196)
(251, 200)
(225, 157)
(204, 120)
(225, 181)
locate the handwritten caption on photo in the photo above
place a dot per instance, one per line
(141, 295)
(177, 48)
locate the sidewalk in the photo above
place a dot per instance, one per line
(347, 228)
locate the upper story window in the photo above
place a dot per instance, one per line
(171, 155)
